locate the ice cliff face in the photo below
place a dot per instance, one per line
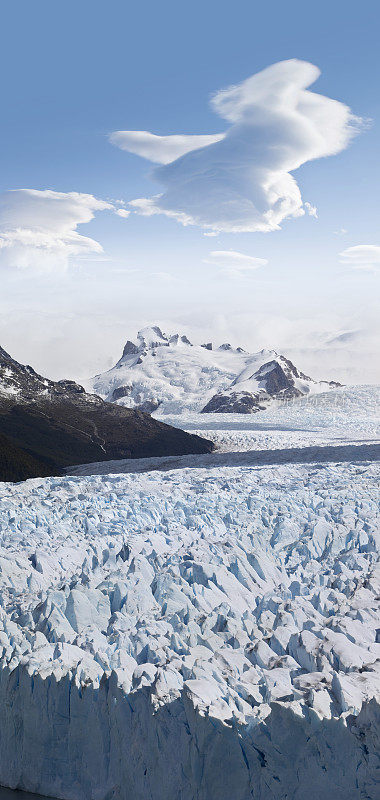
(192, 635)
(172, 375)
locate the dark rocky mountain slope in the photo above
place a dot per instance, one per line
(47, 425)
(267, 377)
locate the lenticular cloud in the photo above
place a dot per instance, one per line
(241, 180)
(161, 149)
(39, 228)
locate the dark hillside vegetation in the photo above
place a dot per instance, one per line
(17, 465)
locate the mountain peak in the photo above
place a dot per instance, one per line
(152, 336)
(149, 339)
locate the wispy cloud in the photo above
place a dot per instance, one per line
(241, 180)
(233, 263)
(311, 210)
(362, 256)
(38, 229)
(161, 149)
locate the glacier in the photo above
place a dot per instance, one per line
(203, 633)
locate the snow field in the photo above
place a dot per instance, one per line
(350, 414)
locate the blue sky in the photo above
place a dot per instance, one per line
(74, 73)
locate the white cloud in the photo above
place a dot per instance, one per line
(241, 180)
(311, 210)
(233, 263)
(122, 212)
(164, 277)
(362, 256)
(340, 232)
(148, 207)
(38, 229)
(161, 149)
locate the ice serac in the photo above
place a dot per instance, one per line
(47, 425)
(166, 636)
(169, 374)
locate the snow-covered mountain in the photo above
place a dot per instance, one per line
(22, 383)
(172, 374)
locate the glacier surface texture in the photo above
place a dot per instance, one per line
(194, 634)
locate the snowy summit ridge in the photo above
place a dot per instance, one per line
(172, 374)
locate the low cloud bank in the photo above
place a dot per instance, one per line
(362, 256)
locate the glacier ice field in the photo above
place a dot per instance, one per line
(199, 633)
